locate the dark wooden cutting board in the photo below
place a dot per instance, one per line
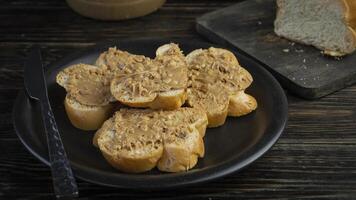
(302, 69)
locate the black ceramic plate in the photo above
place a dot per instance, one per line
(229, 148)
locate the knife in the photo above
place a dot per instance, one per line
(64, 182)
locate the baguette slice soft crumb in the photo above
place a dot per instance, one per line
(217, 83)
(136, 140)
(158, 84)
(328, 25)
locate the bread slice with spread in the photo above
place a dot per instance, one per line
(142, 82)
(88, 102)
(217, 83)
(137, 140)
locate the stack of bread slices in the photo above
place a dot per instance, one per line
(154, 112)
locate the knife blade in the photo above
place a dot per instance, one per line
(64, 182)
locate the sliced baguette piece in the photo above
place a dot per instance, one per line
(87, 117)
(136, 140)
(328, 25)
(87, 84)
(158, 84)
(183, 139)
(182, 146)
(217, 83)
(88, 102)
(129, 143)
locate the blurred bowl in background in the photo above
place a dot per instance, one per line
(115, 9)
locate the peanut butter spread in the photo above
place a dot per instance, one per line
(140, 132)
(214, 75)
(87, 84)
(116, 60)
(135, 132)
(148, 78)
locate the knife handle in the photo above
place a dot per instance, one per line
(64, 182)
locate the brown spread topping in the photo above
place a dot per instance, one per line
(214, 75)
(135, 131)
(130, 75)
(117, 60)
(87, 84)
(165, 73)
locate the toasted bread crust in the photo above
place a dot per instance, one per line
(133, 165)
(241, 104)
(217, 119)
(128, 164)
(87, 117)
(162, 101)
(180, 158)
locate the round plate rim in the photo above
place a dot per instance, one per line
(191, 177)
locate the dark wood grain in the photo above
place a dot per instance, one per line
(314, 159)
(301, 69)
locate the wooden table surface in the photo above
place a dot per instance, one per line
(314, 159)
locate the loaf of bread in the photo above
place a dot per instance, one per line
(88, 102)
(158, 84)
(217, 83)
(328, 25)
(137, 140)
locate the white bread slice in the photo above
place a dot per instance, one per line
(217, 83)
(88, 100)
(87, 117)
(136, 140)
(328, 25)
(158, 84)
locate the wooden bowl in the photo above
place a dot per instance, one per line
(114, 9)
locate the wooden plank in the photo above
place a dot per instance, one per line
(302, 69)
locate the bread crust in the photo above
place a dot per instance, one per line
(87, 117)
(178, 158)
(109, 11)
(216, 119)
(241, 104)
(163, 100)
(134, 165)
